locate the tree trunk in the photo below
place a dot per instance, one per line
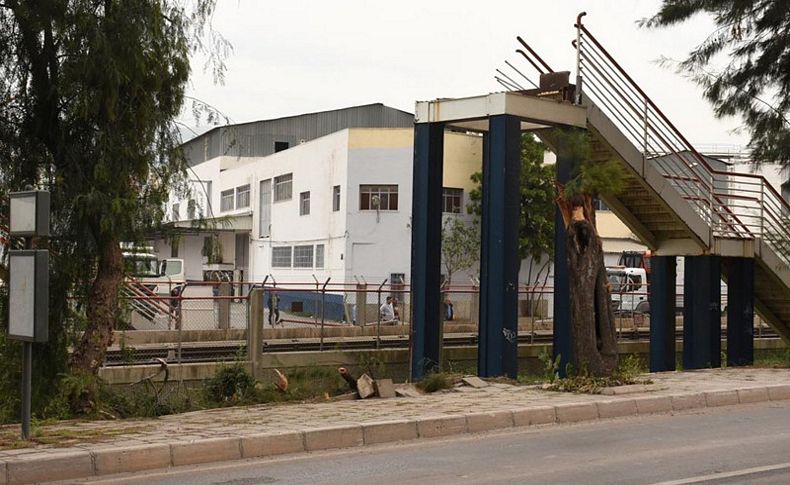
(101, 310)
(593, 337)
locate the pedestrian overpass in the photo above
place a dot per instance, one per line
(727, 225)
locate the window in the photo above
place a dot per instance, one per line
(243, 196)
(226, 200)
(282, 187)
(451, 200)
(304, 203)
(303, 256)
(335, 198)
(281, 257)
(280, 146)
(176, 212)
(381, 197)
(319, 255)
(191, 209)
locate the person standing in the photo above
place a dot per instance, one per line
(387, 312)
(274, 308)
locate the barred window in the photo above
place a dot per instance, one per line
(283, 186)
(304, 203)
(319, 255)
(226, 200)
(451, 200)
(303, 256)
(381, 197)
(243, 196)
(281, 257)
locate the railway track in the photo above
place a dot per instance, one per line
(195, 352)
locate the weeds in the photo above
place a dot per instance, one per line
(435, 381)
(629, 371)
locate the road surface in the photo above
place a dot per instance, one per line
(740, 444)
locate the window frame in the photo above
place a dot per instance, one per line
(335, 198)
(450, 194)
(316, 254)
(368, 191)
(278, 184)
(275, 264)
(227, 195)
(304, 203)
(303, 262)
(243, 196)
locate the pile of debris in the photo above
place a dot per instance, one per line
(366, 387)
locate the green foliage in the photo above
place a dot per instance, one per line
(629, 371)
(435, 381)
(551, 366)
(590, 178)
(231, 383)
(460, 246)
(774, 360)
(755, 83)
(536, 230)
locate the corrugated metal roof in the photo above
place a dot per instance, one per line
(256, 139)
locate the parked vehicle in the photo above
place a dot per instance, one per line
(628, 288)
(146, 270)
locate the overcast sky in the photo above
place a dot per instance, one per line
(292, 56)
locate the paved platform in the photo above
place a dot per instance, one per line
(93, 448)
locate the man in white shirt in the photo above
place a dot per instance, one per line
(387, 311)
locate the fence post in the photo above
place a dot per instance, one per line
(224, 305)
(255, 329)
(323, 300)
(315, 301)
(362, 304)
(378, 313)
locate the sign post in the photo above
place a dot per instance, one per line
(28, 293)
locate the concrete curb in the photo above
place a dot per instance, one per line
(86, 462)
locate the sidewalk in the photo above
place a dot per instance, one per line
(105, 447)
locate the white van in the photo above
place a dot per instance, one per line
(628, 288)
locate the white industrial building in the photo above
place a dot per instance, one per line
(337, 205)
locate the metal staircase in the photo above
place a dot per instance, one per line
(153, 308)
(675, 199)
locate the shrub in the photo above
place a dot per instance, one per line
(230, 384)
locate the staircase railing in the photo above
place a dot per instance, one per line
(735, 205)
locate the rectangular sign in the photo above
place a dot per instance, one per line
(29, 214)
(28, 295)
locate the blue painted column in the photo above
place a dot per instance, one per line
(663, 271)
(740, 311)
(561, 342)
(499, 260)
(702, 312)
(426, 247)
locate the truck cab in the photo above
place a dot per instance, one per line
(159, 277)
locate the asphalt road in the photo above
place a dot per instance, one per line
(741, 444)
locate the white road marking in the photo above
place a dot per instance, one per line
(726, 475)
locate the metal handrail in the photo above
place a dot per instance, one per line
(747, 206)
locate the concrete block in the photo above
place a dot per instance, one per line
(389, 431)
(779, 393)
(570, 413)
(478, 422)
(333, 437)
(682, 402)
(385, 388)
(616, 408)
(653, 404)
(365, 387)
(536, 415)
(131, 458)
(269, 444)
(407, 390)
(474, 382)
(206, 451)
(441, 426)
(721, 398)
(55, 466)
(754, 394)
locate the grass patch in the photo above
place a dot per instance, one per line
(630, 370)
(774, 360)
(436, 381)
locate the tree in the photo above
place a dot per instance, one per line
(755, 82)
(593, 338)
(536, 226)
(460, 246)
(89, 91)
